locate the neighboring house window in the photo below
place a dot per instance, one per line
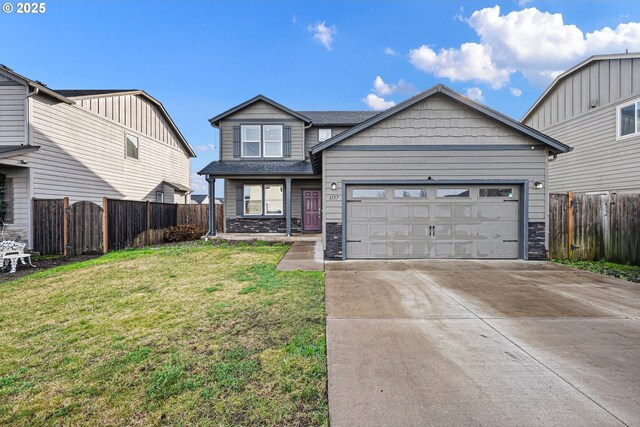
(629, 119)
(6, 199)
(324, 134)
(132, 147)
(272, 135)
(250, 141)
(159, 196)
(263, 199)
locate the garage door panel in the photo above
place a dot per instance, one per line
(410, 224)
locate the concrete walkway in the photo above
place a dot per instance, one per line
(303, 255)
(420, 343)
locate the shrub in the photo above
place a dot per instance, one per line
(183, 232)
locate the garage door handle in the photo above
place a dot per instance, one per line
(354, 241)
(510, 241)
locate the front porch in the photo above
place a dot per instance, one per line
(267, 207)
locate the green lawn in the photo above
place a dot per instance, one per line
(621, 271)
(182, 335)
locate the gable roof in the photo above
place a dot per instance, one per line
(216, 120)
(570, 71)
(338, 118)
(34, 84)
(557, 146)
(93, 93)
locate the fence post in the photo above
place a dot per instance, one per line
(148, 233)
(65, 226)
(570, 225)
(105, 226)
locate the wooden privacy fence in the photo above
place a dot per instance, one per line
(595, 226)
(87, 228)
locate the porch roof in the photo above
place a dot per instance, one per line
(260, 167)
(14, 150)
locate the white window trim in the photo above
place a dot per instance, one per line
(330, 134)
(634, 102)
(126, 143)
(264, 142)
(263, 205)
(242, 141)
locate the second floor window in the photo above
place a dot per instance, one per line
(261, 141)
(324, 134)
(251, 141)
(272, 140)
(132, 147)
(629, 118)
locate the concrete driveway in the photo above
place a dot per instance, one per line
(480, 343)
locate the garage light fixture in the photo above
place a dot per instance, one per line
(334, 186)
(538, 185)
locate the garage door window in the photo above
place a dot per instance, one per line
(369, 193)
(496, 192)
(409, 193)
(452, 192)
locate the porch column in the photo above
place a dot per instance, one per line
(287, 209)
(212, 206)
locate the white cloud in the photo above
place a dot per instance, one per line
(538, 44)
(323, 34)
(471, 62)
(382, 88)
(522, 3)
(199, 184)
(515, 91)
(475, 93)
(377, 103)
(389, 51)
(294, 19)
(202, 148)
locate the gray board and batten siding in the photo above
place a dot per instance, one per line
(580, 109)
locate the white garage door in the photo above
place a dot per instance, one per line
(460, 221)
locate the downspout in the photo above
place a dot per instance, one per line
(304, 140)
(28, 115)
(28, 137)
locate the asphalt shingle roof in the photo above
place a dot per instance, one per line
(320, 118)
(260, 167)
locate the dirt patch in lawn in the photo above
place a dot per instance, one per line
(41, 263)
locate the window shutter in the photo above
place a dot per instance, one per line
(236, 141)
(286, 139)
(239, 201)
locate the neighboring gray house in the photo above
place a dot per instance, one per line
(437, 176)
(202, 199)
(595, 108)
(85, 145)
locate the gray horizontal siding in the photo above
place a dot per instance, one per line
(255, 113)
(82, 156)
(296, 194)
(598, 161)
(12, 114)
(311, 136)
(601, 83)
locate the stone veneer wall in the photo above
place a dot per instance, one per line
(537, 250)
(261, 225)
(334, 241)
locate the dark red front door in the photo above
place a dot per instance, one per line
(311, 210)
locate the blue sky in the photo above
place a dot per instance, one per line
(200, 58)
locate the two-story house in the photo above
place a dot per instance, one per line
(436, 176)
(595, 108)
(85, 145)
